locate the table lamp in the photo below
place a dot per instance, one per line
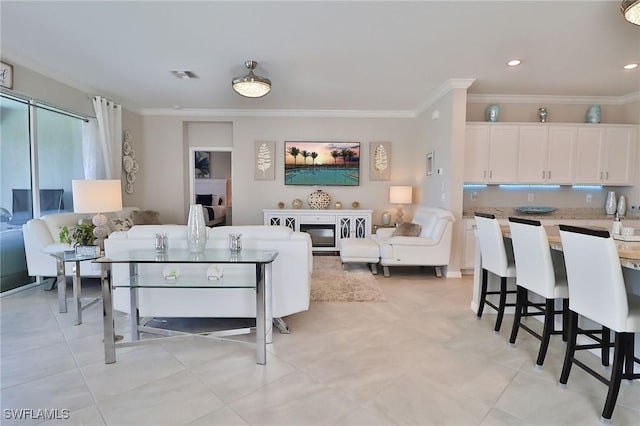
(97, 196)
(400, 195)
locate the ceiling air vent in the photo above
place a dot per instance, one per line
(185, 75)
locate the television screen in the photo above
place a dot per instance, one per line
(322, 163)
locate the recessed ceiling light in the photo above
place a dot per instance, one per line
(630, 66)
(514, 62)
(185, 75)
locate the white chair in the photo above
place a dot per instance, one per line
(537, 274)
(431, 247)
(495, 258)
(597, 291)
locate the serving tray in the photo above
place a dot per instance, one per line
(535, 210)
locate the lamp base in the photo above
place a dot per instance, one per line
(399, 215)
(101, 230)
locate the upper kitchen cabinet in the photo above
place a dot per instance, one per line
(604, 155)
(491, 153)
(545, 154)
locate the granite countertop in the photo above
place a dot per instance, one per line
(561, 213)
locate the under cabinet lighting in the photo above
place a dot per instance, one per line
(473, 186)
(587, 187)
(517, 187)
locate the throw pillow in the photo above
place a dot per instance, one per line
(205, 200)
(146, 217)
(119, 224)
(407, 229)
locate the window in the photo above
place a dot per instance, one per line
(45, 161)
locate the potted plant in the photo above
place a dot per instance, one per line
(80, 235)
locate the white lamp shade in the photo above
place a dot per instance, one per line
(400, 194)
(97, 196)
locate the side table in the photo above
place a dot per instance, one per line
(376, 227)
(78, 307)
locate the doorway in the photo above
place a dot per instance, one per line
(210, 183)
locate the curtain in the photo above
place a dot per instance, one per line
(109, 140)
(92, 158)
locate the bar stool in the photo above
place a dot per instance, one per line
(495, 260)
(538, 274)
(597, 291)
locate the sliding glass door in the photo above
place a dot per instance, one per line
(40, 153)
(15, 185)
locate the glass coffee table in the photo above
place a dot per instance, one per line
(77, 305)
(153, 279)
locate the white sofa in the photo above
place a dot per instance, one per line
(291, 273)
(432, 247)
(41, 237)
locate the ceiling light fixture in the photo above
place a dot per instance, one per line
(514, 62)
(631, 11)
(630, 66)
(251, 85)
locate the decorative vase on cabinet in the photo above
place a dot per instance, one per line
(196, 229)
(542, 114)
(594, 114)
(319, 199)
(492, 113)
(610, 204)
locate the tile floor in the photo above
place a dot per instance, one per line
(420, 358)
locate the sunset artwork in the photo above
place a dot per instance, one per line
(322, 163)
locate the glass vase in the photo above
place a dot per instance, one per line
(196, 229)
(611, 203)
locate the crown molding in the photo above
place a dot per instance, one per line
(202, 112)
(443, 89)
(550, 99)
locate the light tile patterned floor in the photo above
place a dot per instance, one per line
(420, 358)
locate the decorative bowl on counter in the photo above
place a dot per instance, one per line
(535, 210)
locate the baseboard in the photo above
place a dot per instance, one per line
(454, 274)
(19, 289)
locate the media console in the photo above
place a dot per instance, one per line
(326, 227)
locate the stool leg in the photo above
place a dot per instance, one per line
(616, 375)
(548, 328)
(630, 354)
(503, 302)
(606, 342)
(483, 291)
(565, 319)
(571, 347)
(520, 301)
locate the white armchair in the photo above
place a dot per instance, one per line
(42, 237)
(432, 247)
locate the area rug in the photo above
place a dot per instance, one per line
(331, 283)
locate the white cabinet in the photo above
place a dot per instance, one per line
(469, 254)
(561, 154)
(353, 226)
(618, 153)
(491, 153)
(326, 227)
(545, 154)
(290, 220)
(604, 155)
(542, 153)
(532, 154)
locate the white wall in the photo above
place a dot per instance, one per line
(164, 145)
(445, 136)
(43, 88)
